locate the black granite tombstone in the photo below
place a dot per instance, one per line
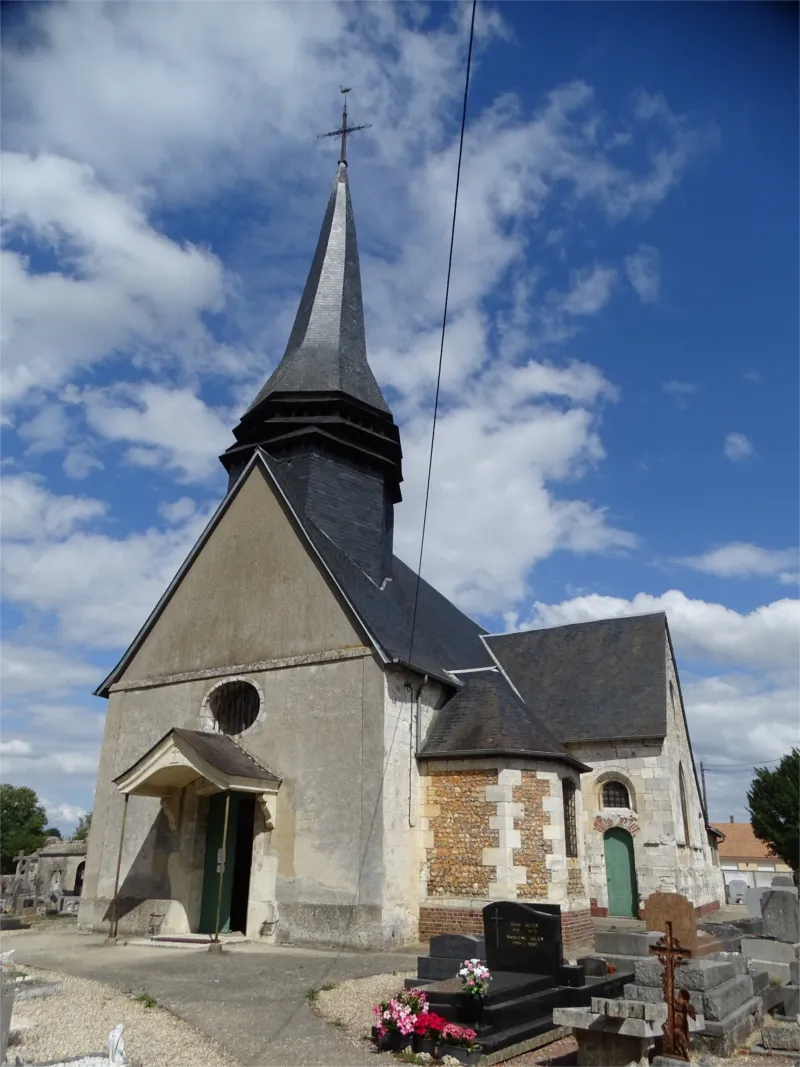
(525, 938)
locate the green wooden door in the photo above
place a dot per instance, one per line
(214, 833)
(620, 873)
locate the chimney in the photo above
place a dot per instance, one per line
(731, 818)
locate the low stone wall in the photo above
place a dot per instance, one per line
(703, 909)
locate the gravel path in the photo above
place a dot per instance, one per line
(349, 1005)
(78, 1021)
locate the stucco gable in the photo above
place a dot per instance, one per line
(251, 590)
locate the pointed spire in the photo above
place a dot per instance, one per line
(327, 349)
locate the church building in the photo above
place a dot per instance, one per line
(307, 743)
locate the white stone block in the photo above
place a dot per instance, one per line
(553, 833)
(509, 838)
(509, 777)
(496, 794)
(552, 804)
(491, 857)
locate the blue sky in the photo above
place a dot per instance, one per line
(618, 428)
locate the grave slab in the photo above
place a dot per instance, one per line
(700, 974)
(624, 942)
(718, 1003)
(780, 1034)
(759, 948)
(780, 914)
(458, 946)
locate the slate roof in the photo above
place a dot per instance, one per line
(592, 680)
(220, 751)
(444, 637)
(485, 718)
(327, 349)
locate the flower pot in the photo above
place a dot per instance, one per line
(394, 1041)
(469, 1009)
(423, 1044)
(463, 1055)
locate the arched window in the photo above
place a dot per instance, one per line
(570, 819)
(687, 837)
(615, 795)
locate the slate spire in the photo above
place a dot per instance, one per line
(321, 413)
(327, 349)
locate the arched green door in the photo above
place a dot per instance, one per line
(620, 873)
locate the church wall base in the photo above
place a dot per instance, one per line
(137, 917)
(336, 925)
(576, 926)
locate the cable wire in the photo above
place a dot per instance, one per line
(444, 327)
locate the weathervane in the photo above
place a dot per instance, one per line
(344, 129)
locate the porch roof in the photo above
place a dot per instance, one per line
(182, 757)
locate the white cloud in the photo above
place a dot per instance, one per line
(767, 637)
(33, 669)
(47, 431)
(494, 460)
(121, 284)
(737, 447)
(167, 428)
(31, 511)
(63, 815)
(679, 390)
(643, 271)
(99, 588)
(177, 511)
(590, 290)
(79, 462)
(15, 748)
(739, 559)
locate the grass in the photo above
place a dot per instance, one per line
(311, 995)
(327, 987)
(146, 1000)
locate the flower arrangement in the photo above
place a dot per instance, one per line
(475, 978)
(400, 1013)
(429, 1024)
(453, 1034)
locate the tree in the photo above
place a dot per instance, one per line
(83, 827)
(22, 819)
(53, 831)
(774, 802)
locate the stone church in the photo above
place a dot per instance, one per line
(306, 743)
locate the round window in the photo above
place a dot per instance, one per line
(234, 706)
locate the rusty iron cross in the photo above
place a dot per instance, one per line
(676, 1028)
(344, 129)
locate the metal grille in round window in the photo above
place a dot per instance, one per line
(234, 706)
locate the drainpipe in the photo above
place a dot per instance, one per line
(414, 728)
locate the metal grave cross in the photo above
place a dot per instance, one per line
(676, 1028)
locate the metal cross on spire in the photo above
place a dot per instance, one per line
(344, 129)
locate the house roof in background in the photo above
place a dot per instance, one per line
(740, 842)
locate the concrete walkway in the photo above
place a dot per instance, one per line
(251, 1000)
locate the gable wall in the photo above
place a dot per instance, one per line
(253, 593)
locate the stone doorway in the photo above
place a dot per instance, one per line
(620, 873)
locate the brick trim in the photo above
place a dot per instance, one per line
(433, 921)
(706, 909)
(576, 926)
